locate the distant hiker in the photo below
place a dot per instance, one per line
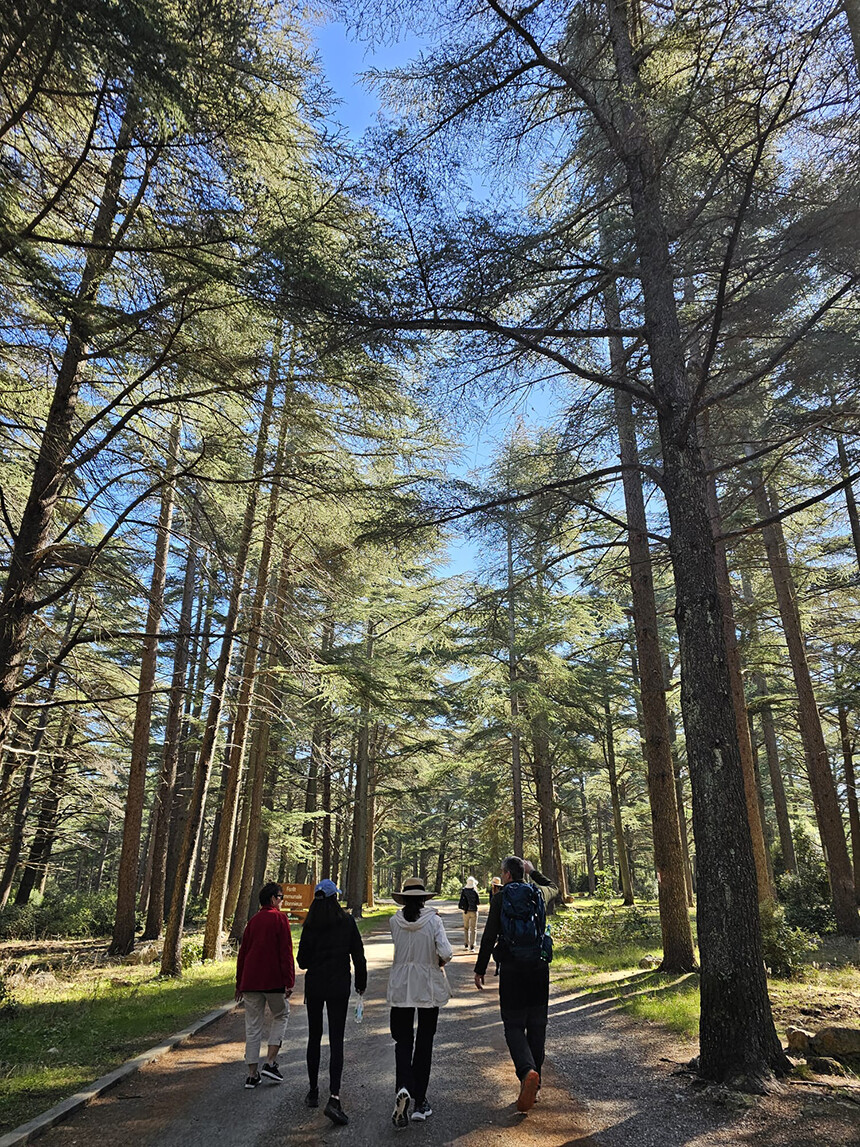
(417, 984)
(329, 939)
(265, 974)
(516, 928)
(468, 905)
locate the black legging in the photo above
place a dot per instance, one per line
(336, 1008)
(412, 1068)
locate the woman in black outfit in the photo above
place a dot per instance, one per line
(329, 938)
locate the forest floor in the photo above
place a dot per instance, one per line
(611, 1080)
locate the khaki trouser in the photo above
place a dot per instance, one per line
(255, 1021)
(470, 928)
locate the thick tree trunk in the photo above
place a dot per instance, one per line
(170, 756)
(609, 747)
(738, 1039)
(123, 930)
(50, 473)
(850, 792)
(669, 856)
(545, 793)
(824, 798)
(760, 854)
(371, 845)
(171, 961)
(516, 755)
(356, 878)
(586, 833)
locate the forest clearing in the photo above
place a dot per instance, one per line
(427, 439)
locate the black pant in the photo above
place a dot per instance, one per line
(336, 1007)
(412, 1067)
(524, 1003)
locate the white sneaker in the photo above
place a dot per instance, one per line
(422, 1111)
(400, 1114)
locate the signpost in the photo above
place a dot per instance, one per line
(297, 899)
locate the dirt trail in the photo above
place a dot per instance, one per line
(194, 1095)
(608, 1082)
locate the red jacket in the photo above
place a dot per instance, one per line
(265, 962)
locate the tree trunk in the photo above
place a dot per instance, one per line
(545, 793)
(46, 827)
(218, 892)
(20, 818)
(122, 941)
(443, 849)
(669, 854)
(189, 742)
(356, 876)
(824, 798)
(850, 792)
(737, 1034)
(586, 834)
(170, 756)
(50, 474)
(739, 704)
(623, 864)
(171, 962)
(516, 756)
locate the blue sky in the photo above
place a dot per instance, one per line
(343, 60)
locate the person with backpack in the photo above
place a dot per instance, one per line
(516, 930)
(330, 938)
(417, 988)
(469, 901)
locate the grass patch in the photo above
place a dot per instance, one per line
(374, 916)
(65, 1032)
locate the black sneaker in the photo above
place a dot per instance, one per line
(422, 1111)
(253, 1081)
(272, 1071)
(400, 1114)
(312, 1099)
(335, 1112)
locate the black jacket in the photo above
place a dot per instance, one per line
(326, 954)
(469, 900)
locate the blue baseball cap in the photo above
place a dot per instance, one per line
(327, 888)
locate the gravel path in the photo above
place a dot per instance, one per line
(607, 1083)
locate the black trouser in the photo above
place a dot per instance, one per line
(412, 1066)
(524, 1003)
(336, 1008)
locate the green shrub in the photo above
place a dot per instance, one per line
(806, 895)
(65, 916)
(605, 923)
(785, 947)
(192, 952)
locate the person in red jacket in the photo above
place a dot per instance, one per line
(265, 974)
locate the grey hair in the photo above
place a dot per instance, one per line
(514, 867)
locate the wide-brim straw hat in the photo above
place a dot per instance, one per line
(413, 886)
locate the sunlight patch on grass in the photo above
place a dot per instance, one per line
(66, 1032)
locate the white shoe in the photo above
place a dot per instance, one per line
(400, 1114)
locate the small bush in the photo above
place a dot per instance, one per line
(605, 922)
(192, 952)
(65, 916)
(806, 895)
(785, 947)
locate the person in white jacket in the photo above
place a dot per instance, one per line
(417, 985)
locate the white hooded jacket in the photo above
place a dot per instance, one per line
(416, 979)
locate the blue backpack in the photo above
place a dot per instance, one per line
(523, 922)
